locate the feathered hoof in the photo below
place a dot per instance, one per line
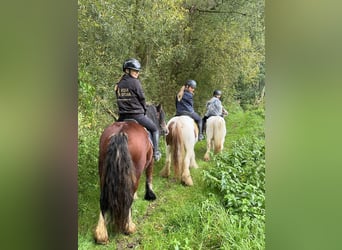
(101, 238)
(187, 181)
(206, 157)
(100, 232)
(131, 228)
(194, 166)
(164, 173)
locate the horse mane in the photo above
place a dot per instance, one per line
(151, 112)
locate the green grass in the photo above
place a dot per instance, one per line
(181, 217)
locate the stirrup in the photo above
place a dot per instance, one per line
(157, 155)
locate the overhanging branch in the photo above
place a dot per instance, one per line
(221, 12)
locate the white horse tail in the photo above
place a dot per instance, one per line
(219, 135)
(175, 139)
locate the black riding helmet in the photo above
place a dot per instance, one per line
(217, 92)
(131, 63)
(191, 83)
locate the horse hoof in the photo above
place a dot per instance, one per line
(164, 173)
(101, 240)
(187, 182)
(130, 229)
(150, 196)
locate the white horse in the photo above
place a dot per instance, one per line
(180, 143)
(215, 132)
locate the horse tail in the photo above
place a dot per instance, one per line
(219, 135)
(174, 139)
(178, 149)
(117, 181)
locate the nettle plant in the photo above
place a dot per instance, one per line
(239, 176)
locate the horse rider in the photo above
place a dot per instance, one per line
(214, 107)
(131, 101)
(185, 104)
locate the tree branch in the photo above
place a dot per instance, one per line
(194, 8)
(218, 11)
(111, 113)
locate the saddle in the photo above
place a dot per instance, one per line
(148, 132)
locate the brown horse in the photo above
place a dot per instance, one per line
(125, 152)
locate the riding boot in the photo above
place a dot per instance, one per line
(204, 121)
(155, 141)
(200, 131)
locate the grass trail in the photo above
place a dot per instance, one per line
(180, 218)
(152, 218)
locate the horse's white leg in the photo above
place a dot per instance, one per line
(193, 162)
(165, 172)
(186, 177)
(207, 153)
(223, 136)
(130, 225)
(100, 233)
(221, 144)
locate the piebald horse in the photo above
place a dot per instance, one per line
(180, 142)
(215, 133)
(125, 152)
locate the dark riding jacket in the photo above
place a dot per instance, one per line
(130, 96)
(186, 104)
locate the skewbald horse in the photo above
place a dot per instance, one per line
(180, 143)
(215, 133)
(125, 152)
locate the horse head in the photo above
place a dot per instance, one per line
(157, 115)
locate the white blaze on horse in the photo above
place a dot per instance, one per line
(180, 143)
(215, 133)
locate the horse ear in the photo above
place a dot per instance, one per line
(159, 107)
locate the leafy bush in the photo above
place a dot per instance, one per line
(239, 176)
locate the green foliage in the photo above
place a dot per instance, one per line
(238, 173)
(240, 177)
(86, 97)
(219, 44)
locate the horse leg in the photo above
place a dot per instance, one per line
(165, 172)
(220, 145)
(149, 195)
(186, 177)
(206, 155)
(193, 162)
(130, 227)
(100, 233)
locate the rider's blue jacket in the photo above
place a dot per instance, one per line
(186, 104)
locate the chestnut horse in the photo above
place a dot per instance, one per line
(180, 143)
(215, 133)
(125, 152)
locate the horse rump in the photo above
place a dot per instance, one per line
(216, 132)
